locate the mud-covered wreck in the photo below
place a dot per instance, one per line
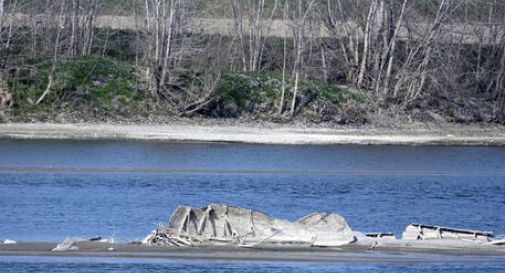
(223, 225)
(229, 225)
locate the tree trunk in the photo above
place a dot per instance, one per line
(295, 94)
(323, 63)
(285, 53)
(298, 40)
(165, 70)
(73, 22)
(55, 55)
(2, 11)
(157, 33)
(258, 36)
(364, 57)
(239, 28)
(148, 30)
(274, 9)
(392, 49)
(9, 35)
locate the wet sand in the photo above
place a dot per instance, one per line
(261, 134)
(348, 254)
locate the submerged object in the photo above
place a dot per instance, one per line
(219, 224)
(430, 232)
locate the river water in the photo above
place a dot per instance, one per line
(50, 190)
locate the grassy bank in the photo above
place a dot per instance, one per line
(105, 88)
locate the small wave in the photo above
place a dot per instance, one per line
(65, 169)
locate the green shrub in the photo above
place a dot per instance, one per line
(93, 78)
(248, 88)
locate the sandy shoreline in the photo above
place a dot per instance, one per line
(345, 254)
(260, 134)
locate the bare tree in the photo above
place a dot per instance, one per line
(50, 79)
(300, 16)
(402, 54)
(424, 48)
(391, 52)
(252, 29)
(284, 59)
(164, 69)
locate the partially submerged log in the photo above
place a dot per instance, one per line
(228, 225)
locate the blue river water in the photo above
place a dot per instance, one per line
(50, 190)
(98, 265)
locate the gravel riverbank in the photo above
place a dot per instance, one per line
(262, 133)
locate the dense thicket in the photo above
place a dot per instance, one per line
(326, 60)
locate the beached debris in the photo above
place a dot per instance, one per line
(100, 239)
(381, 235)
(9, 242)
(67, 245)
(430, 232)
(95, 239)
(222, 225)
(110, 240)
(499, 242)
(229, 225)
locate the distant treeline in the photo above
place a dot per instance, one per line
(439, 59)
